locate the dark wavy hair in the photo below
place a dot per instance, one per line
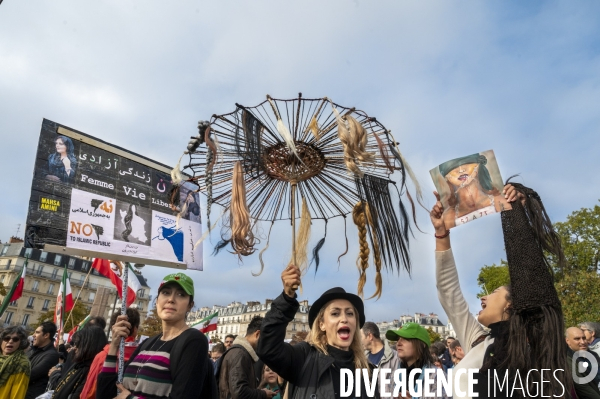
(21, 333)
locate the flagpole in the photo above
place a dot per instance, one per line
(78, 294)
(124, 289)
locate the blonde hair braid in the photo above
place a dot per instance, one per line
(362, 262)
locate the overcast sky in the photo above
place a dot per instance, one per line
(448, 78)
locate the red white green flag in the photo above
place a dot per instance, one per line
(79, 326)
(16, 291)
(114, 271)
(64, 301)
(207, 324)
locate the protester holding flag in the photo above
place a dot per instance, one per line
(43, 356)
(15, 368)
(173, 364)
(133, 317)
(88, 343)
(16, 290)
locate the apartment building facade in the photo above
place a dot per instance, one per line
(42, 282)
(235, 317)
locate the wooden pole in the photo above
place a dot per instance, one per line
(77, 298)
(293, 202)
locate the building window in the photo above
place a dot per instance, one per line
(141, 293)
(46, 304)
(9, 316)
(4, 250)
(70, 273)
(43, 256)
(82, 279)
(54, 274)
(92, 296)
(25, 320)
(2, 278)
(95, 272)
(30, 302)
(50, 289)
(36, 286)
(140, 305)
(85, 266)
(28, 252)
(40, 268)
(8, 264)
(57, 259)
(71, 263)
(13, 303)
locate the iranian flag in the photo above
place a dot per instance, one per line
(16, 291)
(114, 271)
(79, 326)
(207, 324)
(64, 301)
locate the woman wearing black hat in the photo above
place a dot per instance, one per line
(525, 318)
(333, 343)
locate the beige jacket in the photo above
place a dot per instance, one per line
(465, 324)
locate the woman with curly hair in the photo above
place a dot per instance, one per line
(15, 368)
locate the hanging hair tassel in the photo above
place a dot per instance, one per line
(376, 252)
(242, 238)
(362, 262)
(207, 232)
(346, 236)
(313, 126)
(317, 248)
(385, 154)
(405, 166)
(208, 178)
(354, 139)
(220, 245)
(302, 239)
(211, 158)
(176, 175)
(359, 139)
(283, 130)
(260, 254)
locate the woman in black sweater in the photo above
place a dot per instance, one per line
(333, 343)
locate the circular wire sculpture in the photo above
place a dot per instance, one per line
(310, 158)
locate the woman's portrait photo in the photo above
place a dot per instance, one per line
(62, 164)
(469, 187)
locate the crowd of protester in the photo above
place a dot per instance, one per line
(520, 327)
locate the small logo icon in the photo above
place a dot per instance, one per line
(584, 367)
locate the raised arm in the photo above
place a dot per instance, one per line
(283, 358)
(451, 297)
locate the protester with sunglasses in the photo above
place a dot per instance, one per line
(15, 368)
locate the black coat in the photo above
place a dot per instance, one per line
(308, 371)
(42, 360)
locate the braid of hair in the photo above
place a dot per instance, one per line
(376, 253)
(362, 262)
(347, 142)
(358, 140)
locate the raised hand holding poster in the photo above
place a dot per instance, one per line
(470, 188)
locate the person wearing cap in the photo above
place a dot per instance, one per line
(173, 364)
(525, 319)
(313, 368)
(412, 345)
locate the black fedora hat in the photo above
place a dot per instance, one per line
(337, 293)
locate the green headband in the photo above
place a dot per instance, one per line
(484, 175)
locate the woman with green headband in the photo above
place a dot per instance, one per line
(472, 193)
